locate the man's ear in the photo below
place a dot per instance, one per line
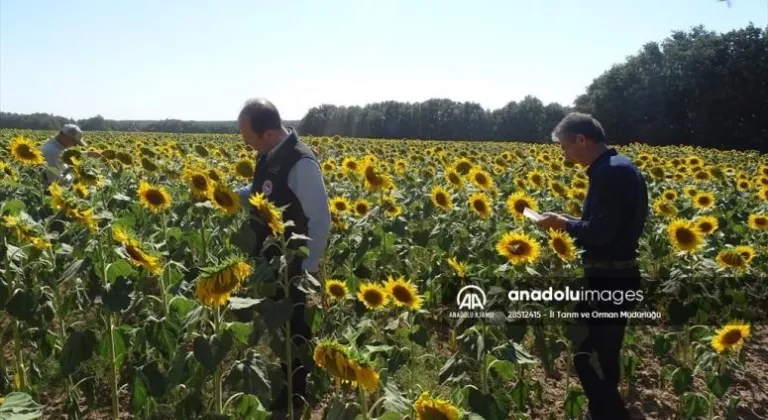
(581, 139)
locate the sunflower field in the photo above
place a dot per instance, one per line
(124, 293)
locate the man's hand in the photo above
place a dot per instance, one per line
(553, 221)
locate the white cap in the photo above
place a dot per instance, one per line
(73, 131)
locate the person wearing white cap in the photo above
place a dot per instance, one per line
(70, 135)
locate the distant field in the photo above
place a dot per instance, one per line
(125, 289)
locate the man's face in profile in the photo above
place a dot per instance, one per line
(66, 141)
(262, 143)
(572, 148)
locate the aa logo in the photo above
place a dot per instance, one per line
(471, 297)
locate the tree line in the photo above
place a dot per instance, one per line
(41, 121)
(696, 87)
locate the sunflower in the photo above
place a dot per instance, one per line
(148, 165)
(215, 285)
(244, 169)
(454, 178)
(25, 152)
(558, 189)
(23, 231)
(59, 201)
(763, 194)
(338, 221)
(746, 252)
(428, 408)
(691, 191)
(731, 337)
(225, 200)
(135, 254)
(199, 184)
(328, 166)
(373, 296)
(518, 248)
(704, 200)
(200, 150)
(71, 156)
(536, 179)
(577, 194)
(574, 208)
(441, 198)
(684, 235)
(362, 207)
(400, 167)
(459, 268)
(7, 171)
(743, 185)
(463, 166)
(269, 213)
(664, 208)
(365, 376)
(403, 292)
(349, 164)
(579, 184)
(85, 218)
(480, 178)
(154, 198)
(213, 174)
(374, 179)
(758, 221)
(80, 190)
(41, 244)
(563, 245)
(657, 172)
(336, 359)
(339, 204)
(480, 204)
(121, 235)
(124, 158)
(706, 224)
(517, 202)
(520, 183)
(390, 207)
(729, 258)
(669, 195)
(336, 289)
(702, 175)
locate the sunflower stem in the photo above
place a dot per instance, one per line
(113, 359)
(165, 271)
(363, 403)
(21, 373)
(202, 235)
(288, 337)
(217, 375)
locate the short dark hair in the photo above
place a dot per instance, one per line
(262, 115)
(577, 123)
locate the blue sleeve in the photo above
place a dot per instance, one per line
(244, 192)
(604, 221)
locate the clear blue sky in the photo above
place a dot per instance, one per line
(201, 59)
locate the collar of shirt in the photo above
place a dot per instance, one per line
(601, 160)
(272, 151)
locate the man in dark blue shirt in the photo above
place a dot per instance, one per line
(613, 218)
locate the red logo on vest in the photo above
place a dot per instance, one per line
(266, 187)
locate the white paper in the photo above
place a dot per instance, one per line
(527, 212)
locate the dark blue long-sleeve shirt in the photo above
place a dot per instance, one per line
(614, 211)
